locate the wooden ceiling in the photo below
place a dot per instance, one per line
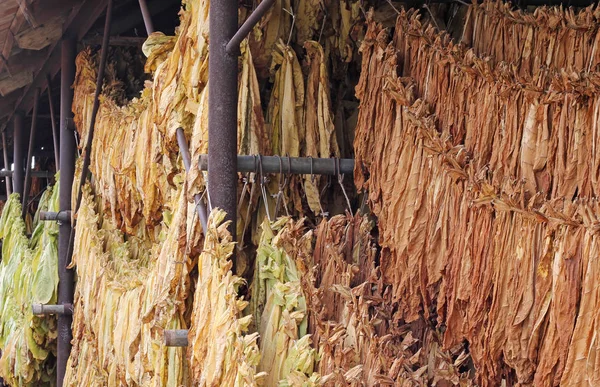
(30, 31)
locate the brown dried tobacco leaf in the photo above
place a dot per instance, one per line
(502, 267)
(529, 40)
(320, 139)
(485, 106)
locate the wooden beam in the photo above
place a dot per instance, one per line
(42, 36)
(44, 11)
(15, 82)
(25, 9)
(80, 20)
(126, 41)
(26, 60)
(9, 40)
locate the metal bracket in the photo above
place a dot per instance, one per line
(42, 310)
(62, 216)
(176, 338)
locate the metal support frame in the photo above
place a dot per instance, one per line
(233, 45)
(289, 165)
(19, 147)
(67, 171)
(36, 105)
(42, 174)
(61, 216)
(147, 17)
(222, 111)
(53, 122)
(42, 310)
(222, 103)
(176, 338)
(6, 164)
(185, 155)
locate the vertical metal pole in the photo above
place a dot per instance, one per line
(18, 142)
(67, 171)
(222, 110)
(96, 107)
(36, 103)
(147, 17)
(53, 122)
(6, 165)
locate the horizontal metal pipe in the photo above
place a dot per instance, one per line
(176, 338)
(44, 174)
(291, 165)
(185, 155)
(62, 216)
(234, 44)
(40, 310)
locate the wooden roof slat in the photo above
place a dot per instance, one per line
(15, 82)
(25, 9)
(80, 20)
(42, 36)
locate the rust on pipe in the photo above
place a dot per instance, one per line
(36, 100)
(6, 164)
(176, 338)
(53, 123)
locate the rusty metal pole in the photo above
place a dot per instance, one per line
(222, 110)
(53, 122)
(6, 165)
(36, 103)
(147, 17)
(18, 143)
(67, 171)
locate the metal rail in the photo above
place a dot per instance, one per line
(233, 45)
(42, 174)
(62, 216)
(185, 155)
(289, 165)
(36, 105)
(42, 310)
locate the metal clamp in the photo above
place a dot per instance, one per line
(42, 310)
(49, 216)
(176, 338)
